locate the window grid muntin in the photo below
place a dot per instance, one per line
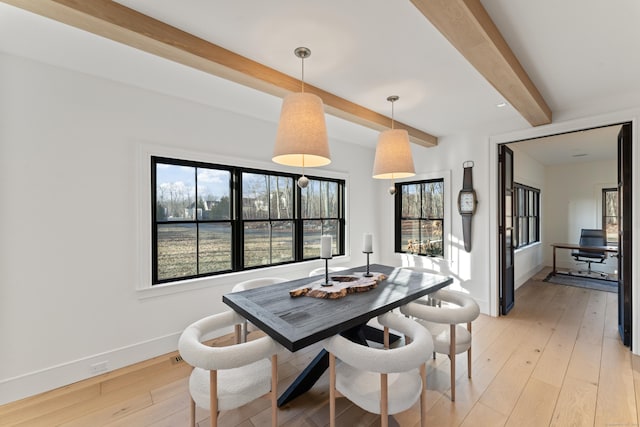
(526, 215)
(610, 215)
(423, 192)
(236, 220)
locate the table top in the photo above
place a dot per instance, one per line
(585, 248)
(296, 322)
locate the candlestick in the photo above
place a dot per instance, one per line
(367, 274)
(367, 243)
(327, 282)
(325, 247)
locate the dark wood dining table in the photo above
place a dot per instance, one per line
(297, 322)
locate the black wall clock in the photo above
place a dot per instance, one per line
(467, 202)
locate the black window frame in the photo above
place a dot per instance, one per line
(236, 219)
(399, 218)
(526, 209)
(605, 216)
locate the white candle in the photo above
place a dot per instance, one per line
(325, 247)
(367, 243)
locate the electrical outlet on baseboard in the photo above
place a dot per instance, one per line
(99, 367)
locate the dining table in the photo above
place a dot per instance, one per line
(298, 322)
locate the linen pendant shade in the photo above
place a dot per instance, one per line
(393, 157)
(301, 139)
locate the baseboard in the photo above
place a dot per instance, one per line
(522, 279)
(20, 387)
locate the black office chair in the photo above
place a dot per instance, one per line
(591, 237)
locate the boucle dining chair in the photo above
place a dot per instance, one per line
(380, 380)
(228, 377)
(243, 330)
(443, 321)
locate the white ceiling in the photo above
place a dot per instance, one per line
(581, 54)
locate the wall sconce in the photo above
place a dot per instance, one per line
(302, 132)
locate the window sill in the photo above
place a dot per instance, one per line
(295, 270)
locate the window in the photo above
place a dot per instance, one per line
(211, 219)
(610, 214)
(526, 215)
(420, 217)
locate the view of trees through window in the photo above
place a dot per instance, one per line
(610, 214)
(211, 219)
(420, 217)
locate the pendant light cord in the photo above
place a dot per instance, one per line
(302, 74)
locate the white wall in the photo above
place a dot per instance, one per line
(470, 271)
(528, 260)
(69, 174)
(575, 205)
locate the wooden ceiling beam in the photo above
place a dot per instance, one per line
(122, 24)
(469, 28)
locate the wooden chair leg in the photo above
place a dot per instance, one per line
(192, 413)
(274, 390)
(386, 337)
(469, 353)
(213, 397)
(423, 396)
(384, 401)
(332, 390)
(238, 333)
(452, 360)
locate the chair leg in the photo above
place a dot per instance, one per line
(469, 353)
(452, 359)
(238, 333)
(386, 337)
(332, 390)
(192, 413)
(213, 397)
(384, 401)
(423, 396)
(274, 390)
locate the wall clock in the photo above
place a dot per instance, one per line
(467, 202)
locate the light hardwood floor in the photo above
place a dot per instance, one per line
(555, 360)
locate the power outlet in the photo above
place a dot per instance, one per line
(99, 368)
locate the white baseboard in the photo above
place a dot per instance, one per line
(37, 382)
(522, 278)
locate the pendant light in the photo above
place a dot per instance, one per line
(302, 139)
(393, 153)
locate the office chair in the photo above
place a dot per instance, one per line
(591, 237)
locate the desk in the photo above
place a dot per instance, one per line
(582, 248)
(298, 322)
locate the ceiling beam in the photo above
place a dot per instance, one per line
(122, 24)
(469, 28)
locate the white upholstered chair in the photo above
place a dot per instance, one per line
(228, 377)
(243, 330)
(381, 381)
(444, 324)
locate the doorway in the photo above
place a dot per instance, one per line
(584, 163)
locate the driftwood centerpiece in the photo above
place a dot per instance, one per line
(342, 285)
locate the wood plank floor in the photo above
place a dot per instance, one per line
(555, 360)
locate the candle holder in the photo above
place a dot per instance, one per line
(326, 274)
(368, 274)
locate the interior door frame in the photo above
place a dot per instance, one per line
(632, 116)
